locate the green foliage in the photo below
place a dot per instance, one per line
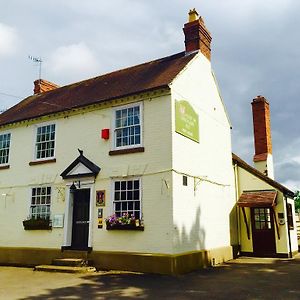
(297, 200)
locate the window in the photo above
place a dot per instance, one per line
(184, 180)
(40, 202)
(290, 216)
(262, 217)
(127, 197)
(4, 148)
(45, 141)
(128, 126)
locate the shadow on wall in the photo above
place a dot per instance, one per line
(190, 242)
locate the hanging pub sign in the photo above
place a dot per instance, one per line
(186, 120)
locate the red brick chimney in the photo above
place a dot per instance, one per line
(41, 86)
(263, 159)
(197, 37)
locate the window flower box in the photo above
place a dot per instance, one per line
(126, 222)
(37, 224)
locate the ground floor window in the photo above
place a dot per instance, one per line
(40, 202)
(127, 197)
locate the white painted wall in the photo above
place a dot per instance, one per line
(83, 131)
(201, 214)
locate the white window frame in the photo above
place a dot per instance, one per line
(140, 194)
(35, 140)
(9, 149)
(30, 197)
(114, 139)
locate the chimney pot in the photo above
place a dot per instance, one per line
(193, 15)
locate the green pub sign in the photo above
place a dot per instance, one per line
(186, 120)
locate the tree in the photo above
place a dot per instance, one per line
(297, 200)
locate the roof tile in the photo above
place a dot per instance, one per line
(145, 77)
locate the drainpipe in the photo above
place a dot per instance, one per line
(237, 208)
(287, 222)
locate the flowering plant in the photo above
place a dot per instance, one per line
(125, 219)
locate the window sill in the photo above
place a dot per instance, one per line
(124, 227)
(40, 162)
(127, 151)
(4, 167)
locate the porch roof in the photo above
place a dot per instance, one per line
(258, 198)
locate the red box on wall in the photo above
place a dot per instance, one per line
(105, 133)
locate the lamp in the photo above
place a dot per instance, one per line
(73, 188)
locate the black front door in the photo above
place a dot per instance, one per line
(263, 234)
(81, 216)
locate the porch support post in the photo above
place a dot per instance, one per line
(245, 219)
(276, 223)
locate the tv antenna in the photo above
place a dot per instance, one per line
(39, 61)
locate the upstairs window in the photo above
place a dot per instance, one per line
(40, 202)
(45, 142)
(128, 126)
(4, 148)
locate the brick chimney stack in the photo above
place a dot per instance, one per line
(197, 37)
(263, 159)
(41, 86)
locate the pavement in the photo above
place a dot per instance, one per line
(243, 278)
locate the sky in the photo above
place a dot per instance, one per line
(255, 51)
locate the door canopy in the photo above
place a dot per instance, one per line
(258, 199)
(80, 167)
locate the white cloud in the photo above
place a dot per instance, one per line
(8, 40)
(73, 62)
(293, 185)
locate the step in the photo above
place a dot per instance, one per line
(74, 254)
(71, 262)
(64, 269)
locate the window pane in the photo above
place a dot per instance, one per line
(123, 185)
(117, 185)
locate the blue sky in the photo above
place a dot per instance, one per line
(254, 52)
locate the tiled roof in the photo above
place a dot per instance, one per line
(257, 199)
(263, 177)
(145, 77)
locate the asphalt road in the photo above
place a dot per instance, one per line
(245, 278)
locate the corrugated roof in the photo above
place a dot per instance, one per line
(145, 77)
(257, 199)
(263, 177)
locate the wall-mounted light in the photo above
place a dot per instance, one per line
(73, 187)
